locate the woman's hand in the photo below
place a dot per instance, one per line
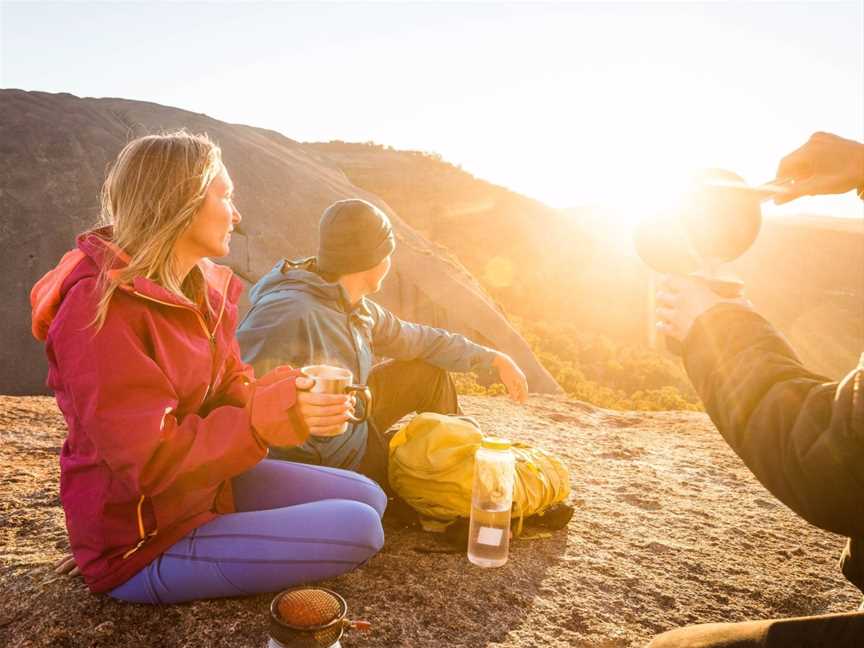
(324, 414)
(680, 302)
(512, 377)
(67, 565)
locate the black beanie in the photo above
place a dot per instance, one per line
(353, 236)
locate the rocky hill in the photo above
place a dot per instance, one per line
(539, 264)
(669, 529)
(54, 152)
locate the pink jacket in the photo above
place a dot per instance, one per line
(159, 409)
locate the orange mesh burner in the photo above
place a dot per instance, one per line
(305, 608)
(310, 617)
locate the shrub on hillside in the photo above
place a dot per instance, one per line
(592, 368)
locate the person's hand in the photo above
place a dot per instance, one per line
(826, 164)
(67, 565)
(680, 302)
(512, 377)
(324, 414)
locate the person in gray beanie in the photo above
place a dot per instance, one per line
(316, 311)
(353, 236)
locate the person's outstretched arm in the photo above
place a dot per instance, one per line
(801, 434)
(394, 338)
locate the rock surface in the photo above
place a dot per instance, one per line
(54, 153)
(669, 529)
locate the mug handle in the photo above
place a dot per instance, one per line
(363, 393)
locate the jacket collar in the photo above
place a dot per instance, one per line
(305, 271)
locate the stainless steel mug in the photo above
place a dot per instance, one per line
(337, 380)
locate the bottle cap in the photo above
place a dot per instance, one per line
(495, 443)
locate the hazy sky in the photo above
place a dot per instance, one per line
(568, 103)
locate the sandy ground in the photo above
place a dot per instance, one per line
(669, 529)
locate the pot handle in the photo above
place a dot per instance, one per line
(362, 626)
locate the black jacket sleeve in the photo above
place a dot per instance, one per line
(801, 434)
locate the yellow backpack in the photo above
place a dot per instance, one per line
(432, 468)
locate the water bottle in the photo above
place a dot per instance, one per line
(491, 503)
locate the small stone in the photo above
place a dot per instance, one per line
(104, 628)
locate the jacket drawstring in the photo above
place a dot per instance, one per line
(142, 533)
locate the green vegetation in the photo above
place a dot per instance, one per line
(592, 368)
(467, 385)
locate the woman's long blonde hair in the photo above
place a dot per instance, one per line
(153, 190)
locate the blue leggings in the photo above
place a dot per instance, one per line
(295, 524)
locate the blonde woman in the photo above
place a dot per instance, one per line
(164, 484)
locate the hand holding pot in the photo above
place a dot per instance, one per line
(826, 164)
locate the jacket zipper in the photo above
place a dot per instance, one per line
(211, 336)
(356, 355)
(353, 346)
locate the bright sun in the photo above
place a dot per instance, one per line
(652, 191)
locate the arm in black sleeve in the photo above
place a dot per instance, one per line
(800, 434)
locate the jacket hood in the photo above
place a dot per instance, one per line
(300, 275)
(95, 249)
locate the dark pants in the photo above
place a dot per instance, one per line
(828, 631)
(399, 388)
